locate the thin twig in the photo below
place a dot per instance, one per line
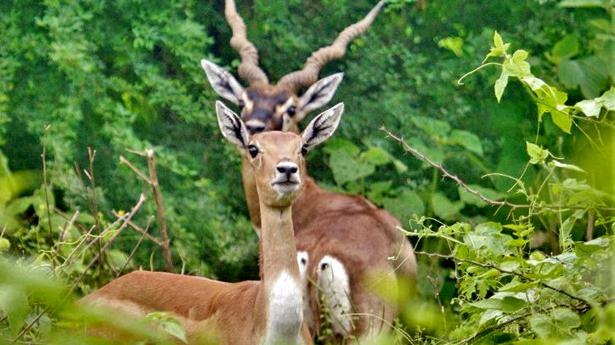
(136, 170)
(589, 233)
(153, 176)
(134, 250)
(125, 221)
(469, 189)
(45, 182)
(94, 202)
(141, 230)
(67, 226)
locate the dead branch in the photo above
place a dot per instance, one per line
(153, 175)
(134, 250)
(94, 202)
(136, 170)
(152, 180)
(141, 230)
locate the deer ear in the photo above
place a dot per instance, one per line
(322, 127)
(318, 94)
(231, 126)
(222, 81)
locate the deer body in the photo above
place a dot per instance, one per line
(268, 311)
(341, 239)
(360, 238)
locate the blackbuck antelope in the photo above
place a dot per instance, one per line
(268, 311)
(341, 240)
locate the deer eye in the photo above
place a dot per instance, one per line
(304, 150)
(253, 150)
(291, 110)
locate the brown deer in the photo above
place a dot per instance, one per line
(268, 311)
(341, 239)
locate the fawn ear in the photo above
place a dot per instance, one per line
(322, 126)
(318, 94)
(231, 126)
(223, 82)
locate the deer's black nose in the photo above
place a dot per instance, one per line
(287, 168)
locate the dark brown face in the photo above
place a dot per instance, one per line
(266, 109)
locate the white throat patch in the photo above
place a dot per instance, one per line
(284, 314)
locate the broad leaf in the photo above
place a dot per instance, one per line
(468, 140)
(407, 204)
(444, 208)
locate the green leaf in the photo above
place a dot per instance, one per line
(168, 324)
(608, 99)
(587, 73)
(565, 48)
(444, 208)
(407, 204)
(500, 85)
(542, 326)
(499, 47)
(432, 152)
(347, 168)
(5, 244)
(516, 65)
(550, 100)
(433, 127)
(454, 44)
(537, 154)
(566, 318)
(508, 304)
(589, 107)
(376, 156)
(562, 120)
(488, 239)
(468, 140)
(337, 144)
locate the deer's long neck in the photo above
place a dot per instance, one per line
(281, 289)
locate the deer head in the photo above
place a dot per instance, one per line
(277, 158)
(265, 106)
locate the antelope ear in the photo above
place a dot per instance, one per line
(318, 94)
(231, 126)
(223, 82)
(322, 126)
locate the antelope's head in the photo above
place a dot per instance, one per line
(276, 157)
(281, 106)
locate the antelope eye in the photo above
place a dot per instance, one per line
(253, 150)
(291, 110)
(304, 150)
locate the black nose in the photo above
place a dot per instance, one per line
(287, 169)
(255, 128)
